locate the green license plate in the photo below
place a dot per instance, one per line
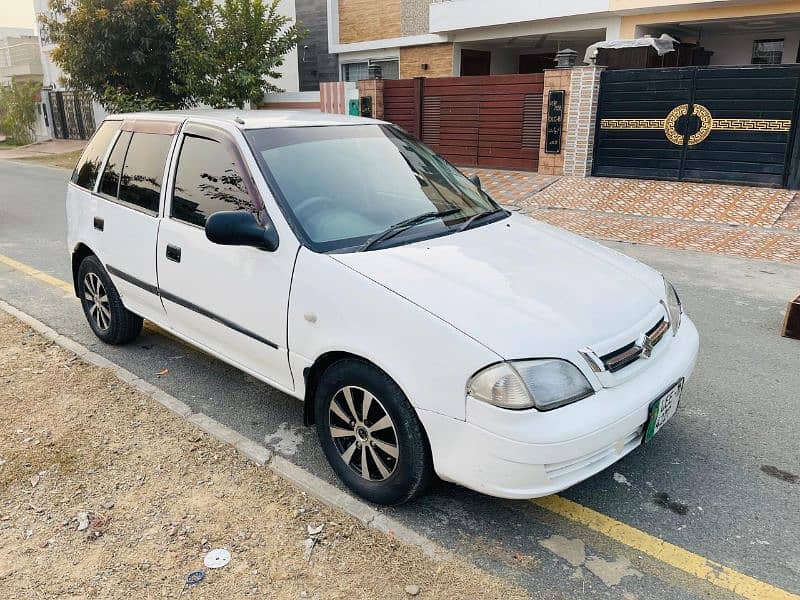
(662, 409)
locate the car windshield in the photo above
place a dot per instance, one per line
(345, 186)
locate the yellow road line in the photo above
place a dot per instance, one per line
(68, 287)
(675, 556)
(37, 274)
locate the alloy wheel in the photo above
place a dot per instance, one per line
(98, 305)
(363, 433)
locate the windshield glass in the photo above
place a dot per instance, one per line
(345, 184)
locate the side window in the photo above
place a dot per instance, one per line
(109, 184)
(88, 167)
(207, 180)
(140, 183)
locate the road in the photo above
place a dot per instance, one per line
(706, 484)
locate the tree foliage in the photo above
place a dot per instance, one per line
(120, 51)
(18, 111)
(159, 54)
(225, 52)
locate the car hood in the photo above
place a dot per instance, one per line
(518, 286)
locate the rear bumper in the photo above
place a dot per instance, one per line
(542, 453)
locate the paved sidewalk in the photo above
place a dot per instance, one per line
(705, 202)
(40, 149)
(726, 219)
(511, 187)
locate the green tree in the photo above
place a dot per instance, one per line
(120, 51)
(18, 111)
(226, 52)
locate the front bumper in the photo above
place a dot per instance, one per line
(527, 454)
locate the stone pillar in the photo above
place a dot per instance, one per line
(554, 79)
(374, 89)
(581, 119)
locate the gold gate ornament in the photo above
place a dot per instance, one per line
(707, 124)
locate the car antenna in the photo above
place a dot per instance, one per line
(239, 120)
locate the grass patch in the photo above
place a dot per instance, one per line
(67, 160)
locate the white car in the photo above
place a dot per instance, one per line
(427, 329)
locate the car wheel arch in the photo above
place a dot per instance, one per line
(79, 254)
(313, 374)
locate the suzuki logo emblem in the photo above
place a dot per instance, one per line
(645, 345)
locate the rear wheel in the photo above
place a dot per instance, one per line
(370, 433)
(108, 318)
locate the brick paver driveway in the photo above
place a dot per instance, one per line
(727, 219)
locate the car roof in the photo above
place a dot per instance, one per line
(251, 119)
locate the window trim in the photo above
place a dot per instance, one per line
(150, 126)
(223, 137)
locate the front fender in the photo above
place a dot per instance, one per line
(332, 308)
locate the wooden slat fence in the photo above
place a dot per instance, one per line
(492, 121)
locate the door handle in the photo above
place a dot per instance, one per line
(99, 224)
(173, 253)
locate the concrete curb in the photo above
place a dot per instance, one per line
(260, 455)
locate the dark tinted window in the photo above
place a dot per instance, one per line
(109, 184)
(88, 167)
(144, 169)
(207, 181)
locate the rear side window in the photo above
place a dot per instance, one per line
(109, 184)
(207, 180)
(140, 184)
(88, 167)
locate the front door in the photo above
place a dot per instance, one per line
(231, 299)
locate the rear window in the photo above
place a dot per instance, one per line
(143, 172)
(88, 167)
(135, 170)
(109, 184)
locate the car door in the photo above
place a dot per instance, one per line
(127, 215)
(231, 299)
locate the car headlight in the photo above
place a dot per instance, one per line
(544, 384)
(674, 306)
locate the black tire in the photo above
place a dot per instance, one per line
(412, 470)
(122, 326)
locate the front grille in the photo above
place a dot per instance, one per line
(629, 353)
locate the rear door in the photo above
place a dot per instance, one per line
(128, 213)
(231, 299)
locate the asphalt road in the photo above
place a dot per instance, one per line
(700, 484)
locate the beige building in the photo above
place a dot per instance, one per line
(437, 38)
(19, 56)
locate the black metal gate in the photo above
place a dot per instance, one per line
(722, 124)
(72, 114)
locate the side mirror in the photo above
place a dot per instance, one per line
(476, 181)
(240, 228)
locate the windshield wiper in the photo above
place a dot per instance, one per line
(393, 230)
(469, 222)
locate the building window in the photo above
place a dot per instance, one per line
(356, 71)
(767, 52)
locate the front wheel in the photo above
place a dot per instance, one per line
(108, 318)
(370, 433)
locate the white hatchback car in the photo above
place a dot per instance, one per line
(427, 329)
